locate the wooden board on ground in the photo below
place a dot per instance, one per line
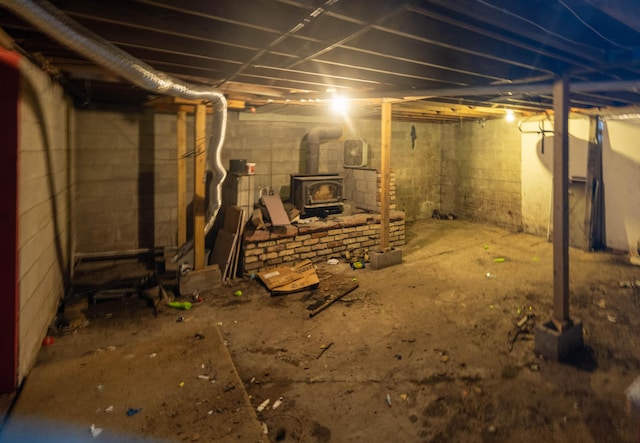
(222, 249)
(200, 280)
(234, 268)
(329, 291)
(276, 211)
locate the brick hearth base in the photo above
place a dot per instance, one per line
(318, 241)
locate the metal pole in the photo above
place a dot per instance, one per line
(561, 204)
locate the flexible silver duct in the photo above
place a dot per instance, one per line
(50, 20)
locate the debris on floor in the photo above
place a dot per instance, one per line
(524, 327)
(441, 216)
(332, 291)
(288, 279)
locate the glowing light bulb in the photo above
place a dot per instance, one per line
(509, 116)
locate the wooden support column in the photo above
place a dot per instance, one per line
(181, 131)
(385, 172)
(199, 186)
(561, 204)
(560, 336)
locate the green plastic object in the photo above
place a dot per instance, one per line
(498, 260)
(179, 305)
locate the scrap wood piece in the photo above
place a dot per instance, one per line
(277, 279)
(344, 290)
(222, 250)
(199, 281)
(275, 208)
(308, 279)
(324, 348)
(234, 223)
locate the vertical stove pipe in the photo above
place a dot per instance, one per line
(315, 138)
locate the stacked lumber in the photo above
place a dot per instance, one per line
(227, 247)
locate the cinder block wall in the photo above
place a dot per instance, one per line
(125, 175)
(126, 169)
(480, 173)
(44, 190)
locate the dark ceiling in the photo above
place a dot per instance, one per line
(439, 59)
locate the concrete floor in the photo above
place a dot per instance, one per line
(424, 351)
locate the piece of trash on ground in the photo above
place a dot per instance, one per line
(133, 411)
(333, 261)
(389, 400)
(95, 431)
(276, 403)
(263, 405)
(184, 305)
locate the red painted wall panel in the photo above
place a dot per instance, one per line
(9, 306)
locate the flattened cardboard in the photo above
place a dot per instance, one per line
(285, 279)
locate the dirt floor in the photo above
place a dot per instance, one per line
(426, 351)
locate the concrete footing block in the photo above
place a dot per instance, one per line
(556, 345)
(380, 259)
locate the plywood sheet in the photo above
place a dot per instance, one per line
(222, 250)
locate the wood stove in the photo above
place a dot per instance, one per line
(317, 194)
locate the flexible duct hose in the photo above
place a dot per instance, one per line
(50, 20)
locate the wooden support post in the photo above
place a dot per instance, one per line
(385, 172)
(561, 204)
(199, 186)
(181, 131)
(560, 336)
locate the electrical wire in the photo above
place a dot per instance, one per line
(532, 23)
(591, 28)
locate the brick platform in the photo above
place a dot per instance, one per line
(318, 241)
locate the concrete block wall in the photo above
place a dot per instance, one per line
(44, 209)
(318, 241)
(125, 175)
(416, 165)
(480, 172)
(274, 144)
(126, 169)
(361, 187)
(106, 166)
